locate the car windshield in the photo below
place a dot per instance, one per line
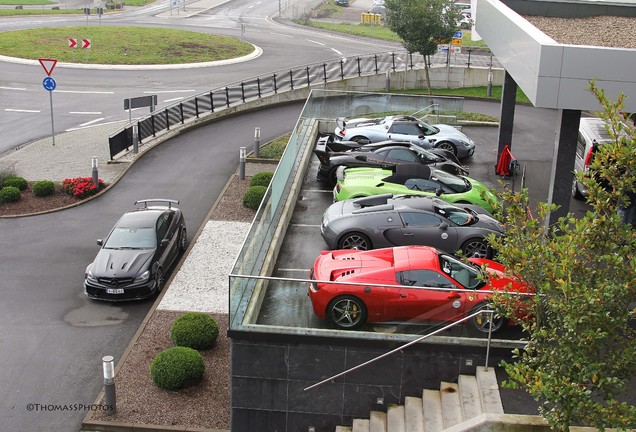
(454, 183)
(131, 238)
(455, 214)
(428, 129)
(425, 155)
(467, 275)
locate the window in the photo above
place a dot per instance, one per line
(420, 219)
(424, 278)
(421, 185)
(466, 275)
(401, 155)
(163, 224)
(405, 129)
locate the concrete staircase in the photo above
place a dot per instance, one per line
(437, 410)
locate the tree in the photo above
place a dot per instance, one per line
(423, 24)
(581, 348)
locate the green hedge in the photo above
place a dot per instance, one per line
(43, 188)
(10, 194)
(195, 330)
(176, 368)
(253, 196)
(15, 181)
(261, 179)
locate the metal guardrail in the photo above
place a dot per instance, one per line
(264, 85)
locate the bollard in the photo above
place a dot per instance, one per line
(489, 88)
(95, 173)
(257, 141)
(135, 135)
(242, 163)
(388, 81)
(110, 397)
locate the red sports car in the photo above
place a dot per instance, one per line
(387, 285)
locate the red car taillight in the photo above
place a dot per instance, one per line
(588, 161)
(342, 133)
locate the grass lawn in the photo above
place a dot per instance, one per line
(122, 45)
(25, 2)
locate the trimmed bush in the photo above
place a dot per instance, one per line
(43, 188)
(253, 196)
(261, 179)
(15, 181)
(195, 330)
(10, 194)
(176, 368)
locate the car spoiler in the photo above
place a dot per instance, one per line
(157, 200)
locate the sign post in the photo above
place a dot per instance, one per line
(72, 43)
(86, 44)
(49, 84)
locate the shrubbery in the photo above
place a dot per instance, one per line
(176, 368)
(43, 188)
(81, 187)
(261, 179)
(9, 194)
(253, 196)
(15, 181)
(196, 330)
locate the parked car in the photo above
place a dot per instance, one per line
(342, 2)
(414, 180)
(399, 220)
(405, 283)
(140, 249)
(406, 128)
(386, 154)
(592, 133)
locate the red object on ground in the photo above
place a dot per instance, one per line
(503, 164)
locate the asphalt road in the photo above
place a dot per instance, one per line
(53, 337)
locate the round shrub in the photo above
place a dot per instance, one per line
(9, 194)
(195, 330)
(253, 196)
(43, 188)
(15, 181)
(176, 368)
(261, 179)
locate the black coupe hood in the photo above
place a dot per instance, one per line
(121, 262)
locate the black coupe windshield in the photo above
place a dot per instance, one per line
(456, 184)
(131, 238)
(455, 214)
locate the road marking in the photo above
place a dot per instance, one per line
(102, 124)
(12, 88)
(284, 35)
(91, 122)
(85, 112)
(172, 100)
(21, 110)
(316, 42)
(336, 51)
(84, 92)
(169, 91)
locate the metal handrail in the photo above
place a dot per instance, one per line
(489, 311)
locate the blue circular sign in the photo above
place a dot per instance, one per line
(49, 84)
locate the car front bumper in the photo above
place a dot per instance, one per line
(124, 293)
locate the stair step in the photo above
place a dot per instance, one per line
(377, 421)
(343, 429)
(395, 418)
(451, 404)
(413, 414)
(432, 403)
(469, 395)
(360, 425)
(489, 390)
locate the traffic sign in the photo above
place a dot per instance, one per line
(456, 42)
(48, 65)
(86, 43)
(49, 83)
(458, 35)
(72, 43)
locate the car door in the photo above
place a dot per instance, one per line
(424, 228)
(408, 132)
(420, 301)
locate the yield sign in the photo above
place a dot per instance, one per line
(72, 43)
(86, 43)
(48, 65)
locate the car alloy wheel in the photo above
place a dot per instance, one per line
(576, 193)
(347, 312)
(158, 280)
(355, 241)
(477, 248)
(482, 321)
(183, 239)
(445, 145)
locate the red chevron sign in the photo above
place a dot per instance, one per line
(86, 43)
(72, 43)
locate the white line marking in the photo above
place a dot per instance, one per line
(12, 88)
(91, 122)
(284, 35)
(336, 51)
(172, 100)
(316, 42)
(21, 110)
(83, 92)
(169, 91)
(85, 112)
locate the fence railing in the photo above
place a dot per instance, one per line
(267, 85)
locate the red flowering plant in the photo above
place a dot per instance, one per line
(81, 187)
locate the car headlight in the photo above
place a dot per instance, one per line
(143, 277)
(89, 275)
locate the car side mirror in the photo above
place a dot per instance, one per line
(443, 226)
(100, 242)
